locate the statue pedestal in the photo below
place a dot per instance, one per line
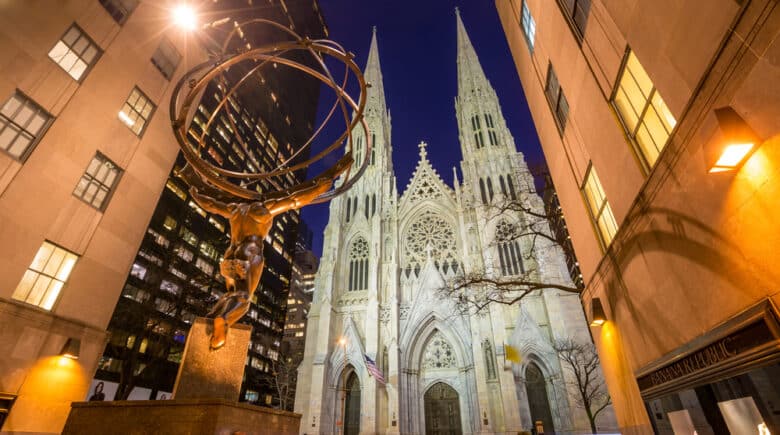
(205, 397)
(212, 374)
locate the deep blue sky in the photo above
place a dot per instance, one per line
(417, 50)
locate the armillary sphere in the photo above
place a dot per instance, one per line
(242, 184)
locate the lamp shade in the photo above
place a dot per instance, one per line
(738, 141)
(72, 348)
(597, 316)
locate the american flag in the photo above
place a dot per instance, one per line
(374, 370)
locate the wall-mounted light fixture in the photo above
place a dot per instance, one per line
(72, 348)
(739, 141)
(597, 316)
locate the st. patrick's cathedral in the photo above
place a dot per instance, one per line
(386, 258)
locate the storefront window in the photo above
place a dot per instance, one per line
(743, 404)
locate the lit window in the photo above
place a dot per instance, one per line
(75, 52)
(169, 287)
(189, 237)
(119, 9)
(98, 182)
(136, 111)
(599, 207)
(138, 271)
(22, 123)
(197, 208)
(166, 58)
(216, 224)
(529, 25)
(176, 189)
(169, 223)
(184, 253)
(43, 281)
(645, 116)
(299, 334)
(556, 99)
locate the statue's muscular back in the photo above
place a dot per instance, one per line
(248, 219)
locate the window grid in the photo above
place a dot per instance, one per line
(358, 265)
(558, 103)
(75, 52)
(166, 58)
(42, 283)
(576, 12)
(98, 182)
(599, 207)
(136, 111)
(529, 25)
(22, 124)
(644, 114)
(119, 9)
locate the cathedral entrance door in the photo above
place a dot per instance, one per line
(442, 411)
(352, 405)
(536, 389)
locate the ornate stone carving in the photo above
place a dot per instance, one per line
(438, 353)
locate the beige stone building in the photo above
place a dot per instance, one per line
(660, 123)
(85, 149)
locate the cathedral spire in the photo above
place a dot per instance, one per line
(471, 77)
(373, 75)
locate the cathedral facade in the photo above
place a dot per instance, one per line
(378, 292)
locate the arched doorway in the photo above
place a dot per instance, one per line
(352, 405)
(442, 410)
(536, 389)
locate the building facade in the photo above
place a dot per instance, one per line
(660, 122)
(378, 300)
(298, 305)
(175, 274)
(85, 151)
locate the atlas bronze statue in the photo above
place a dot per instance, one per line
(250, 223)
(235, 195)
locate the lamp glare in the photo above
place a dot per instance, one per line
(184, 17)
(732, 156)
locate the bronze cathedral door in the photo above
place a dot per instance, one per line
(352, 405)
(442, 411)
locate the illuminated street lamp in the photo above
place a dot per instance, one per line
(597, 316)
(72, 348)
(739, 141)
(184, 17)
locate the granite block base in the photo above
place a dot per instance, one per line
(183, 416)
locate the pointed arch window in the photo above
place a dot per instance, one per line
(490, 360)
(358, 265)
(373, 204)
(490, 189)
(481, 190)
(491, 130)
(511, 186)
(509, 253)
(373, 147)
(503, 186)
(366, 207)
(358, 150)
(349, 208)
(475, 125)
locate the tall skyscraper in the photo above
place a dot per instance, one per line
(379, 310)
(660, 122)
(175, 274)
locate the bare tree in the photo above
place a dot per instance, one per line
(582, 360)
(540, 227)
(282, 380)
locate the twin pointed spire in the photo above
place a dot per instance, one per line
(373, 73)
(471, 77)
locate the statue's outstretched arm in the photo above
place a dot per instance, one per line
(306, 195)
(210, 204)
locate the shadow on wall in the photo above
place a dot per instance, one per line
(694, 255)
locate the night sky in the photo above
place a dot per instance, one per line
(417, 50)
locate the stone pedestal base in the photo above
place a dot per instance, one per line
(212, 374)
(186, 416)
